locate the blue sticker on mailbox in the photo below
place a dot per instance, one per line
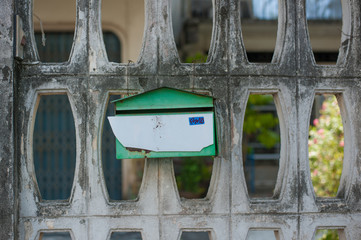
(196, 120)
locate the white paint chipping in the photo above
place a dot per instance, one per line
(163, 132)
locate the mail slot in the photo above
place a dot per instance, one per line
(164, 122)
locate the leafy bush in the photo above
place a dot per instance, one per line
(325, 144)
(326, 234)
(194, 176)
(197, 58)
(260, 124)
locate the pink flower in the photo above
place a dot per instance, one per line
(324, 106)
(321, 131)
(315, 172)
(315, 122)
(315, 140)
(342, 143)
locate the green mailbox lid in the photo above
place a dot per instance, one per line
(163, 98)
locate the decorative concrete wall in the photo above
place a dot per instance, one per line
(227, 211)
(8, 211)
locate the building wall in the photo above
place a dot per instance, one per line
(124, 18)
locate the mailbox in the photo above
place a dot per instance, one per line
(164, 122)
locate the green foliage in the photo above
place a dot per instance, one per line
(260, 124)
(194, 176)
(327, 234)
(197, 58)
(195, 173)
(326, 143)
(325, 146)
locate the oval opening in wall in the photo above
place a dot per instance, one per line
(113, 46)
(193, 176)
(329, 233)
(55, 236)
(123, 28)
(259, 21)
(199, 235)
(125, 235)
(326, 145)
(54, 24)
(192, 23)
(261, 145)
(269, 234)
(324, 20)
(123, 177)
(54, 147)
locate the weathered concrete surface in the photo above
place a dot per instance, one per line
(7, 208)
(159, 213)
